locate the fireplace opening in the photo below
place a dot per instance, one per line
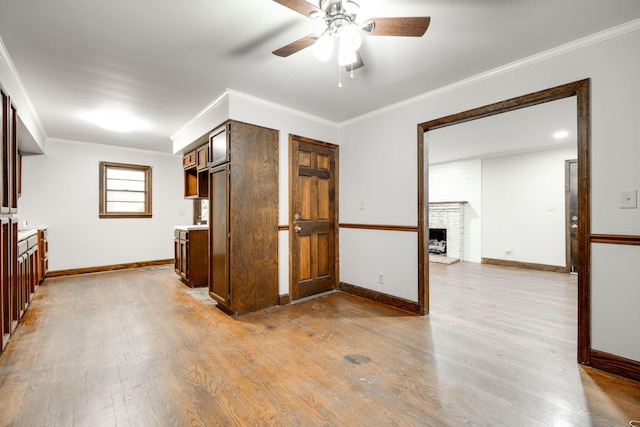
(438, 241)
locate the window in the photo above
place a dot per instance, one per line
(125, 191)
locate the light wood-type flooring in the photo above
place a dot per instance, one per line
(139, 348)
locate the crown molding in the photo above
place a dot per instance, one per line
(18, 93)
(288, 110)
(582, 43)
(210, 106)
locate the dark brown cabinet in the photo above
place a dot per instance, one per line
(243, 217)
(191, 261)
(195, 163)
(43, 248)
(12, 296)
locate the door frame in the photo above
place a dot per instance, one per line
(293, 285)
(581, 90)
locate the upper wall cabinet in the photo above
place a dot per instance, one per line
(219, 146)
(9, 155)
(196, 175)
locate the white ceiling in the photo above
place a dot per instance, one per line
(165, 60)
(519, 131)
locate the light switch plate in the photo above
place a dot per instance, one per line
(629, 199)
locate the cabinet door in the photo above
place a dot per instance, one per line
(219, 146)
(5, 292)
(176, 255)
(219, 235)
(202, 157)
(184, 259)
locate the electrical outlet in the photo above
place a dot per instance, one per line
(381, 278)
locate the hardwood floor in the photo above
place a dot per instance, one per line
(139, 348)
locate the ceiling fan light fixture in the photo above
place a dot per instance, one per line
(323, 48)
(351, 7)
(346, 56)
(350, 37)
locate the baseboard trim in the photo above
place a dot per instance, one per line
(284, 299)
(615, 364)
(105, 268)
(390, 300)
(526, 265)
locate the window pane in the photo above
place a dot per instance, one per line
(125, 196)
(116, 184)
(130, 174)
(125, 207)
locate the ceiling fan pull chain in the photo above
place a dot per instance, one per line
(339, 75)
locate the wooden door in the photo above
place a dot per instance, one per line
(314, 219)
(571, 191)
(219, 234)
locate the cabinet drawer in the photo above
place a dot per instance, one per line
(189, 159)
(32, 241)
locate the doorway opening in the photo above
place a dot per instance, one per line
(579, 89)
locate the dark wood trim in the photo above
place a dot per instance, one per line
(283, 228)
(527, 265)
(583, 103)
(615, 364)
(615, 239)
(423, 225)
(390, 300)
(581, 89)
(284, 299)
(410, 228)
(104, 268)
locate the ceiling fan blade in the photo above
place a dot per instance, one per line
(358, 64)
(296, 46)
(407, 27)
(300, 6)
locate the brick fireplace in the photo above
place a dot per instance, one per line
(449, 216)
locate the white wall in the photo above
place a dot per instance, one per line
(378, 163)
(461, 181)
(60, 190)
(523, 207)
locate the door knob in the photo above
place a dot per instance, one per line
(297, 228)
(574, 225)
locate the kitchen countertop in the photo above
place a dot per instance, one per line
(192, 227)
(25, 233)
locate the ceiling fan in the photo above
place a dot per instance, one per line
(340, 17)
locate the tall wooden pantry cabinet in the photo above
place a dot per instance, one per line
(243, 217)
